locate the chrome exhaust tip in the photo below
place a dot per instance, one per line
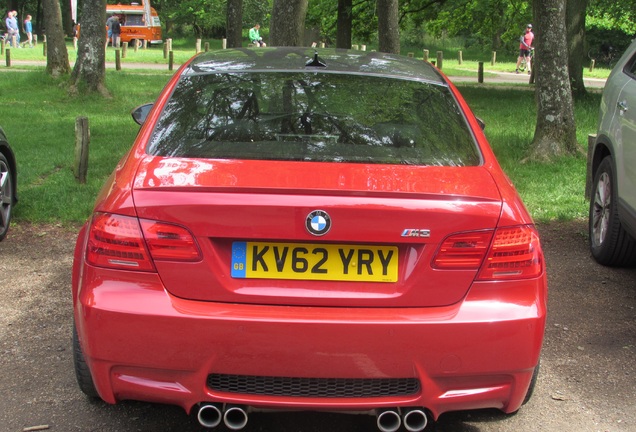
(235, 417)
(209, 415)
(388, 420)
(415, 419)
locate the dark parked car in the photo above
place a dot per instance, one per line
(8, 184)
(612, 219)
(317, 231)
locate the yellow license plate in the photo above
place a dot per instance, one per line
(306, 261)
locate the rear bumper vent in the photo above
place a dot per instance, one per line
(314, 387)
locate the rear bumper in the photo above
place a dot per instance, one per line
(142, 343)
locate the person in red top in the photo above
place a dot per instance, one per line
(525, 48)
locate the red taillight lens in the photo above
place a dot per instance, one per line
(117, 241)
(515, 254)
(465, 251)
(170, 242)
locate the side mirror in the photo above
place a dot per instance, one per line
(140, 113)
(481, 123)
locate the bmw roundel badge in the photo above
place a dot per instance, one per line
(318, 222)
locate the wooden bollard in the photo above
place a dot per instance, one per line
(171, 60)
(322, 44)
(136, 47)
(118, 59)
(165, 49)
(197, 46)
(460, 57)
(8, 57)
(493, 60)
(82, 140)
(425, 55)
(363, 47)
(206, 46)
(2, 45)
(355, 47)
(75, 43)
(224, 43)
(124, 49)
(480, 72)
(592, 63)
(145, 45)
(44, 47)
(440, 59)
(35, 40)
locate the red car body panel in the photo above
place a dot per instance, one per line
(157, 336)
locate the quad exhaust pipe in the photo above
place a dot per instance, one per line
(390, 419)
(233, 416)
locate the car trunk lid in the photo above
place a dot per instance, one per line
(253, 223)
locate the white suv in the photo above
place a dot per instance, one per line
(612, 218)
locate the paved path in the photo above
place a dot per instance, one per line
(491, 77)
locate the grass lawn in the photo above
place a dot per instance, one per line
(38, 117)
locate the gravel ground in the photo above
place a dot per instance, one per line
(587, 380)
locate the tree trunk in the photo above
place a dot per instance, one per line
(575, 21)
(56, 53)
(345, 20)
(288, 22)
(89, 73)
(234, 23)
(555, 133)
(388, 27)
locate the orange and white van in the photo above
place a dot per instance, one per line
(138, 22)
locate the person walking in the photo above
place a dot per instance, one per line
(115, 28)
(28, 29)
(13, 33)
(525, 48)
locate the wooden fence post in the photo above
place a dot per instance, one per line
(425, 55)
(493, 60)
(124, 50)
(171, 60)
(8, 57)
(118, 59)
(197, 46)
(82, 139)
(206, 46)
(440, 59)
(480, 73)
(460, 57)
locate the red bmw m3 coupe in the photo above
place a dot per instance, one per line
(299, 229)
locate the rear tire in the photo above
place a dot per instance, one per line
(7, 196)
(82, 372)
(610, 244)
(533, 383)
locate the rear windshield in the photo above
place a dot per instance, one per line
(308, 116)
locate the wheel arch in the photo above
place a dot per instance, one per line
(602, 149)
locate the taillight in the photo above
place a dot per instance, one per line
(169, 242)
(464, 251)
(515, 254)
(117, 241)
(508, 253)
